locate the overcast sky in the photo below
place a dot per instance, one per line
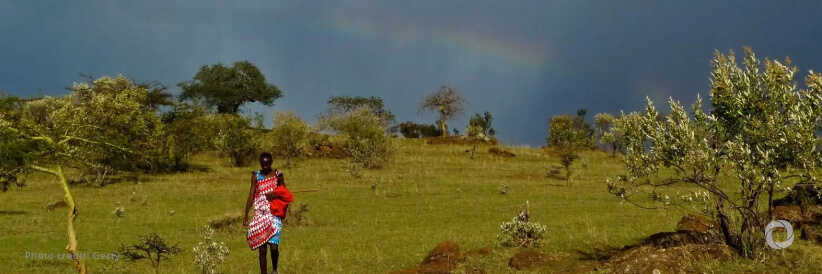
(524, 61)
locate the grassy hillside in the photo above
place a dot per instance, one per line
(426, 195)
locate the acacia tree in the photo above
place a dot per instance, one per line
(81, 130)
(447, 102)
(228, 88)
(761, 131)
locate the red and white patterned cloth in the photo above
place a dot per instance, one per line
(261, 229)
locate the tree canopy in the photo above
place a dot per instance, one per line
(447, 102)
(228, 88)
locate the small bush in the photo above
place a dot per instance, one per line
(151, 247)
(372, 152)
(289, 136)
(520, 232)
(119, 211)
(354, 169)
(503, 189)
(362, 135)
(209, 254)
(555, 172)
(235, 139)
(298, 214)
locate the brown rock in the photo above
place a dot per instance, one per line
(646, 258)
(441, 259)
(695, 222)
(528, 258)
(811, 234)
(680, 238)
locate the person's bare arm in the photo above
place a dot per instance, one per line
(250, 199)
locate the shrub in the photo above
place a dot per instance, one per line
(151, 247)
(372, 153)
(503, 189)
(363, 135)
(186, 132)
(289, 136)
(298, 214)
(235, 138)
(521, 232)
(209, 254)
(354, 169)
(414, 130)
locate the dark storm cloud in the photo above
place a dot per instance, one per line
(522, 60)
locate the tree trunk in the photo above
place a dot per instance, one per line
(770, 204)
(444, 126)
(79, 264)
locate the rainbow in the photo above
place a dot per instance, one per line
(470, 43)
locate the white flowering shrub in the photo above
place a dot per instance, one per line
(209, 254)
(503, 189)
(520, 232)
(760, 132)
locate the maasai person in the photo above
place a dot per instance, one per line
(265, 227)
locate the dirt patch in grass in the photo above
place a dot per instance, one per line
(529, 258)
(694, 222)
(456, 140)
(501, 152)
(227, 222)
(441, 259)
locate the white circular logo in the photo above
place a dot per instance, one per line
(769, 234)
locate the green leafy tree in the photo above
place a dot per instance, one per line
(364, 136)
(101, 126)
(290, 136)
(235, 138)
(483, 122)
(414, 130)
(338, 105)
(228, 88)
(447, 102)
(568, 140)
(607, 136)
(187, 132)
(118, 111)
(760, 131)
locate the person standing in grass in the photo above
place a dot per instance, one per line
(270, 198)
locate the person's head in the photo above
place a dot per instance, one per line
(265, 162)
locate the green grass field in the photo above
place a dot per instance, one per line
(425, 195)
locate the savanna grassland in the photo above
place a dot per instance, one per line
(387, 220)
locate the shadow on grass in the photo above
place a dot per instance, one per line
(600, 252)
